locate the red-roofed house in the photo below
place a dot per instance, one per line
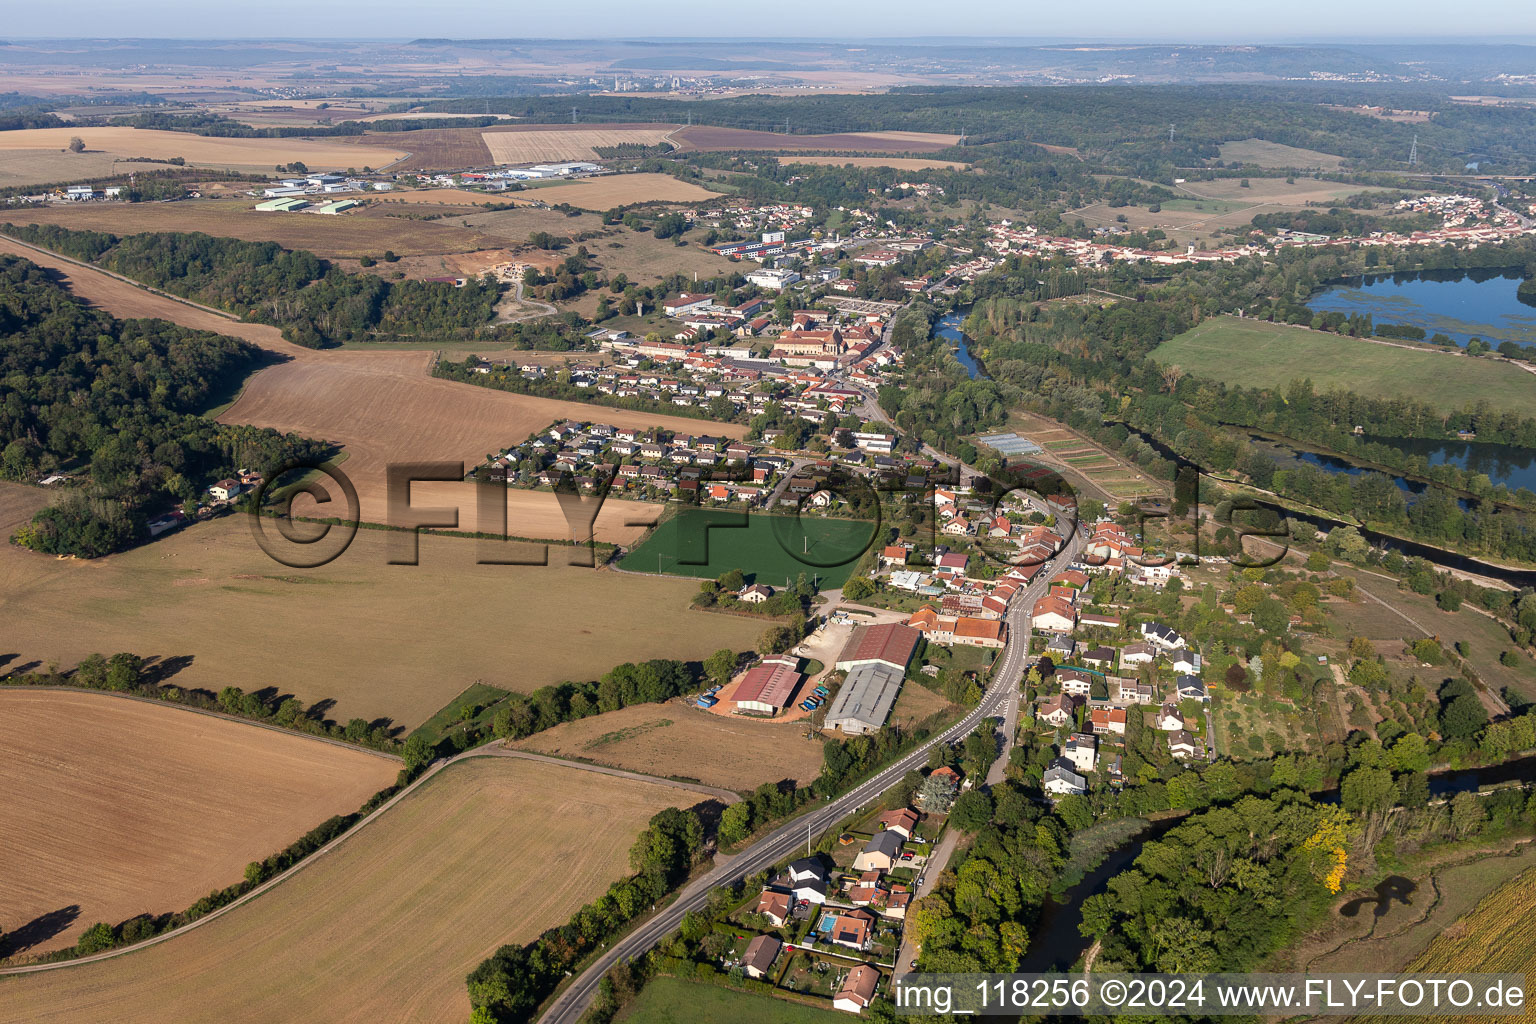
(858, 989)
(1053, 615)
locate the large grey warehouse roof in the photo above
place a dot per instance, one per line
(864, 701)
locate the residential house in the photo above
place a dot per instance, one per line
(1165, 637)
(1186, 662)
(857, 990)
(226, 489)
(1081, 749)
(1060, 647)
(1132, 691)
(852, 929)
(1137, 654)
(866, 889)
(1061, 780)
(760, 955)
(973, 632)
(893, 554)
(807, 869)
(903, 821)
(952, 564)
(881, 853)
(1184, 744)
(1169, 719)
(775, 905)
(755, 593)
(1056, 710)
(1191, 688)
(1107, 720)
(1052, 614)
(1100, 657)
(1075, 681)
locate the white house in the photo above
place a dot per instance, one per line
(1061, 780)
(1082, 750)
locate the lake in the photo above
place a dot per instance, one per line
(949, 329)
(1462, 304)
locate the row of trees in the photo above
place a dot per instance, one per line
(317, 305)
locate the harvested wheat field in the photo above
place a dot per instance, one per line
(386, 926)
(115, 807)
(384, 408)
(900, 163)
(367, 232)
(380, 640)
(45, 166)
(680, 741)
(18, 502)
(259, 155)
(578, 142)
(609, 191)
(706, 138)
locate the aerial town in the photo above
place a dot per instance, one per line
(759, 529)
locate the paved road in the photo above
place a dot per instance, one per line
(784, 841)
(1009, 679)
(1000, 697)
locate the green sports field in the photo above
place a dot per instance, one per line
(703, 543)
(1255, 353)
(674, 1001)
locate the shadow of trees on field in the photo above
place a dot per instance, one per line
(39, 929)
(156, 670)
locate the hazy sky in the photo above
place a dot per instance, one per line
(1192, 20)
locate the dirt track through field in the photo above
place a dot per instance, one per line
(187, 801)
(386, 925)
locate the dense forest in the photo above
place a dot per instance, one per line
(116, 401)
(315, 304)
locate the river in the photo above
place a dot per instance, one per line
(1055, 942)
(1463, 304)
(949, 329)
(1501, 463)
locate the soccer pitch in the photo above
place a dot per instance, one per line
(704, 543)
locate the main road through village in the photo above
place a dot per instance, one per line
(1001, 699)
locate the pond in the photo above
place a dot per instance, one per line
(1463, 304)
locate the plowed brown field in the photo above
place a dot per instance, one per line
(116, 807)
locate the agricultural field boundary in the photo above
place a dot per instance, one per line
(119, 277)
(378, 812)
(26, 688)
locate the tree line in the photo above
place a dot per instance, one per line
(316, 304)
(138, 441)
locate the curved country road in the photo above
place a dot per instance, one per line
(1000, 699)
(495, 749)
